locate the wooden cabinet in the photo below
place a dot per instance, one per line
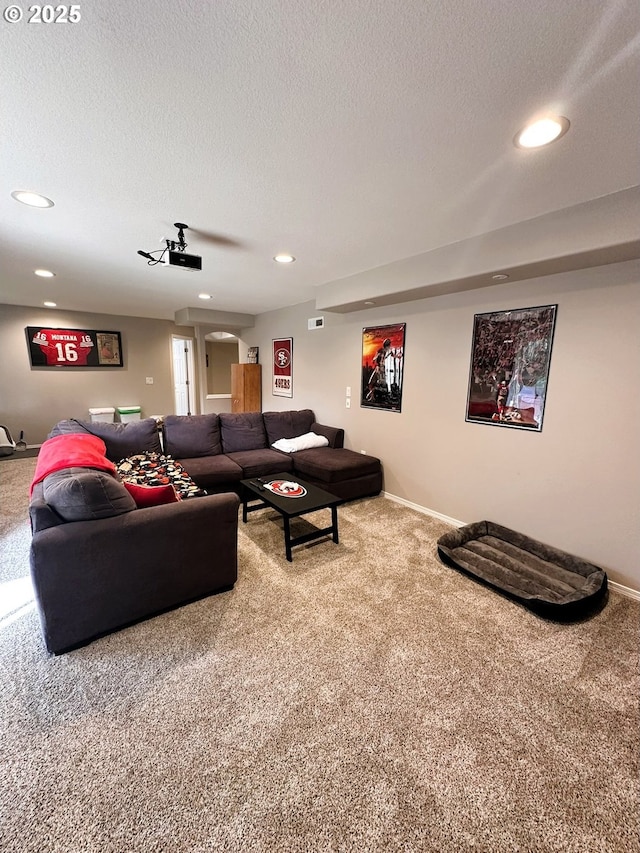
(246, 387)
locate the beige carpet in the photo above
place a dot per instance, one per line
(363, 698)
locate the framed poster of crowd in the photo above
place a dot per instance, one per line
(510, 357)
(382, 367)
(73, 347)
(282, 372)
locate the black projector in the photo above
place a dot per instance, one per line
(180, 259)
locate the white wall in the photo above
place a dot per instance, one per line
(575, 484)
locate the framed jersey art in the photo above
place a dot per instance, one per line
(73, 347)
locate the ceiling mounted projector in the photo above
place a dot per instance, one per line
(174, 255)
(181, 259)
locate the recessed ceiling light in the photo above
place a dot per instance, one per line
(204, 296)
(500, 276)
(541, 132)
(32, 199)
(369, 302)
(45, 273)
(284, 259)
(50, 304)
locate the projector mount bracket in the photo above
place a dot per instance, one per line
(172, 246)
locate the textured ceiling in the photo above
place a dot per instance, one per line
(353, 134)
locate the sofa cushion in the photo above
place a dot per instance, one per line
(156, 469)
(120, 439)
(333, 465)
(145, 496)
(210, 472)
(258, 463)
(287, 424)
(242, 431)
(83, 494)
(189, 436)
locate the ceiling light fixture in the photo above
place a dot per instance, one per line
(369, 302)
(204, 296)
(284, 259)
(500, 276)
(541, 132)
(45, 273)
(31, 198)
(50, 304)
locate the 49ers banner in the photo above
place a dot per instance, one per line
(282, 367)
(73, 347)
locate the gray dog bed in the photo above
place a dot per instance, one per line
(549, 581)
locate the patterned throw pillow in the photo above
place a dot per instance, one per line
(157, 469)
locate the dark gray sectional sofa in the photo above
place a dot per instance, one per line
(99, 562)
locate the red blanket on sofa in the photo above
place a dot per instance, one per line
(72, 450)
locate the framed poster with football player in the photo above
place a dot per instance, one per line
(73, 347)
(282, 375)
(382, 367)
(510, 358)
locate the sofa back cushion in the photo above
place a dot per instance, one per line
(242, 431)
(83, 494)
(287, 424)
(190, 436)
(120, 439)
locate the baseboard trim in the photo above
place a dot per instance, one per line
(627, 591)
(624, 590)
(424, 510)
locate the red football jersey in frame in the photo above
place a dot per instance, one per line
(64, 346)
(71, 348)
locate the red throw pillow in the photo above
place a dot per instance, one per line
(151, 495)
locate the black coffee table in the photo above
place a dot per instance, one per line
(290, 503)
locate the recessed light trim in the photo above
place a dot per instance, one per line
(204, 296)
(500, 276)
(542, 132)
(284, 258)
(369, 302)
(45, 273)
(31, 198)
(49, 304)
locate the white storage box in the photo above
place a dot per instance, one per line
(106, 413)
(129, 413)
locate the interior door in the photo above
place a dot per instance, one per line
(183, 375)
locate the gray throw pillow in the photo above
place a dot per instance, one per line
(83, 494)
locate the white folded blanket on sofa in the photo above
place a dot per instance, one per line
(301, 442)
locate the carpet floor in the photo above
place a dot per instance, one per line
(363, 698)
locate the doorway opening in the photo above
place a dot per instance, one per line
(221, 352)
(183, 375)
